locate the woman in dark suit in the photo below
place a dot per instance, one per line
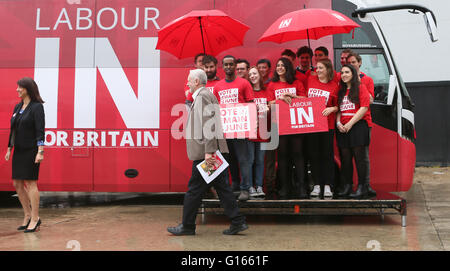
(27, 137)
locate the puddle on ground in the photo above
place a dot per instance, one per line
(84, 199)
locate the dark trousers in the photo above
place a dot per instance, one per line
(270, 172)
(196, 188)
(361, 155)
(321, 153)
(290, 153)
(233, 166)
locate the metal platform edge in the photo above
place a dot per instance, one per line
(384, 200)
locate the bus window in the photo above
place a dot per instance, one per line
(375, 66)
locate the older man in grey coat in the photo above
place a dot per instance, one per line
(204, 136)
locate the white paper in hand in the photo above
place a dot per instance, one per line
(210, 173)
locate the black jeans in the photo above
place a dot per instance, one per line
(361, 155)
(197, 187)
(321, 153)
(290, 153)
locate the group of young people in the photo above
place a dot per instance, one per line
(282, 173)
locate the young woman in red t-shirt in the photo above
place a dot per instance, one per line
(284, 86)
(320, 145)
(353, 135)
(261, 99)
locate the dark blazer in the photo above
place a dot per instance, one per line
(30, 126)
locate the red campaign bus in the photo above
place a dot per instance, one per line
(110, 95)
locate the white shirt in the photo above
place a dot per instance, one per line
(195, 94)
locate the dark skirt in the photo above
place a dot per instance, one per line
(23, 165)
(359, 135)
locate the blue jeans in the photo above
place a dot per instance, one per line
(244, 151)
(257, 160)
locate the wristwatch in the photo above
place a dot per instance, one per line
(41, 152)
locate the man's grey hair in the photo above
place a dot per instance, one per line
(200, 75)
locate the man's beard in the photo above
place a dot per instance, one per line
(211, 75)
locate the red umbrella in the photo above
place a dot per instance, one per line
(201, 31)
(308, 24)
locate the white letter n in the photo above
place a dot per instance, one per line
(136, 112)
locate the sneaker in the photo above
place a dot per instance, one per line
(252, 192)
(260, 192)
(244, 195)
(316, 191)
(327, 192)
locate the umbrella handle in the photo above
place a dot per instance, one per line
(309, 45)
(201, 32)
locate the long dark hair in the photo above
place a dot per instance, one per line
(32, 89)
(290, 72)
(353, 94)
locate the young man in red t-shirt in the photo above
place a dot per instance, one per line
(304, 55)
(355, 60)
(210, 68)
(230, 90)
(264, 66)
(209, 65)
(289, 54)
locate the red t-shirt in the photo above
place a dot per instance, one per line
(315, 88)
(368, 82)
(209, 85)
(301, 77)
(277, 89)
(336, 76)
(349, 109)
(262, 99)
(237, 91)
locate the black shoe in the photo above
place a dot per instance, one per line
(180, 230)
(370, 191)
(271, 196)
(21, 228)
(283, 197)
(234, 229)
(301, 195)
(360, 193)
(35, 227)
(345, 192)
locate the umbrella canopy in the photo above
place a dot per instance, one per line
(308, 24)
(201, 31)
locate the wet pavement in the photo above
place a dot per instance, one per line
(131, 221)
